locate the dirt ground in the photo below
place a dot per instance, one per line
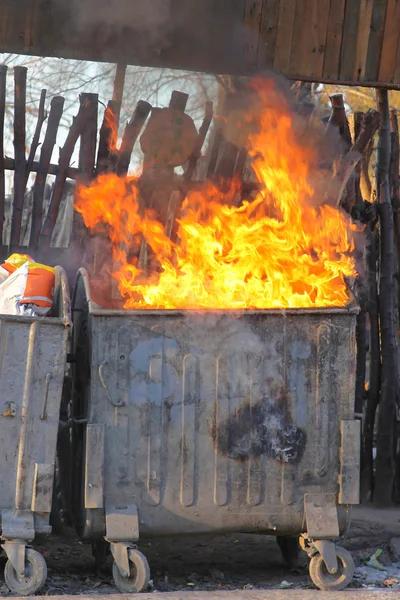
(223, 562)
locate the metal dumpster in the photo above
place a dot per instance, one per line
(195, 422)
(33, 353)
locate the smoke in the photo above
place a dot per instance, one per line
(192, 35)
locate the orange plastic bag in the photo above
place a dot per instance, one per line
(28, 291)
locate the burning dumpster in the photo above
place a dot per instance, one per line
(193, 423)
(216, 393)
(33, 351)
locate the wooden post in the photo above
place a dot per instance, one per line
(131, 133)
(384, 459)
(204, 127)
(42, 116)
(371, 259)
(338, 119)
(87, 150)
(19, 152)
(394, 177)
(118, 91)
(106, 153)
(56, 110)
(78, 125)
(3, 85)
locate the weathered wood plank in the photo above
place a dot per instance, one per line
(87, 150)
(308, 45)
(3, 87)
(391, 42)
(375, 40)
(396, 78)
(252, 21)
(268, 34)
(287, 12)
(78, 125)
(56, 110)
(363, 33)
(317, 38)
(298, 54)
(19, 152)
(334, 37)
(349, 41)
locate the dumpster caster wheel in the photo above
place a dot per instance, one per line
(34, 578)
(139, 577)
(332, 582)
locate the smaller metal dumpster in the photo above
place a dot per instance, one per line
(33, 354)
(214, 421)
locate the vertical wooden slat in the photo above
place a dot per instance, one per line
(309, 38)
(334, 36)
(107, 138)
(19, 151)
(178, 100)
(287, 12)
(363, 33)
(87, 150)
(349, 41)
(268, 34)
(317, 38)
(252, 22)
(42, 116)
(80, 122)
(56, 110)
(375, 40)
(118, 91)
(396, 78)
(204, 127)
(391, 42)
(3, 85)
(130, 136)
(297, 55)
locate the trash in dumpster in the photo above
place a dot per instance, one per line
(11, 264)
(26, 287)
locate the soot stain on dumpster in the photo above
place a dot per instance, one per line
(256, 431)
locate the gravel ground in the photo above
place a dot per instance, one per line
(223, 562)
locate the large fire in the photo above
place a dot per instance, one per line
(278, 249)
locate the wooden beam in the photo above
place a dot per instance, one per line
(3, 87)
(19, 152)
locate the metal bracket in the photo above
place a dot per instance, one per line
(117, 404)
(321, 516)
(94, 465)
(120, 552)
(43, 412)
(349, 478)
(17, 525)
(327, 550)
(16, 555)
(122, 523)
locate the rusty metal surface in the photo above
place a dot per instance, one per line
(220, 421)
(32, 363)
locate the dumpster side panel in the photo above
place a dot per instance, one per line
(220, 421)
(32, 362)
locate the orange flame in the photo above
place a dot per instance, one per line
(274, 251)
(110, 119)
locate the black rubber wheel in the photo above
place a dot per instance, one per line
(34, 578)
(289, 547)
(326, 581)
(139, 577)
